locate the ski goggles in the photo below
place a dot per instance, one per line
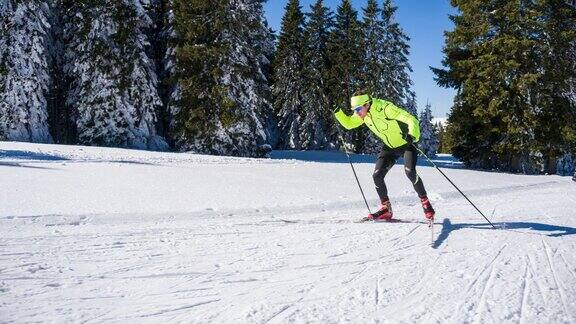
(358, 109)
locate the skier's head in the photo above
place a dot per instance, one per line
(360, 103)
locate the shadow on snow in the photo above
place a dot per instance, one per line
(442, 160)
(19, 165)
(27, 155)
(536, 229)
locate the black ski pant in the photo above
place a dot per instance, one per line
(385, 162)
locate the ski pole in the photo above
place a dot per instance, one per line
(355, 176)
(460, 191)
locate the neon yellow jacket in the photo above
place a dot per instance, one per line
(389, 122)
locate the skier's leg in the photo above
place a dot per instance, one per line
(384, 163)
(410, 159)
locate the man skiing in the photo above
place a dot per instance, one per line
(399, 130)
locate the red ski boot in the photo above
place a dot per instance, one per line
(384, 214)
(428, 210)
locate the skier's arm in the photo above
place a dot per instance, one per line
(403, 116)
(349, 122)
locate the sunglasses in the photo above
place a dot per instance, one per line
(358, 109)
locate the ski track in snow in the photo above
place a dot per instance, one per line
(264, 252)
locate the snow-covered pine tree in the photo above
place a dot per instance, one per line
(249, 43)
(411, 104)
(318, 128)
(428, 140)
(373, 46)
(169, 88)
(566, 165)
(571, 92)
(24, 70)
(221, 94)
(289, 82)
(519, 119)
(397, 84)
(440, 132)
(114, 89)
(345, 55)
(555, 132)
(197, 103)
(373, 78)
(61, 124)
(160, 35)
(266, 42)
(345, 60)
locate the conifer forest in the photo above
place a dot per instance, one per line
(211, 77)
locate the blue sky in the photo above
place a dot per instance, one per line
(425, 22)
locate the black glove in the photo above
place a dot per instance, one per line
(409, 138)
(337, 109)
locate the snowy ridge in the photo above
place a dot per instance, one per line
(100, 235)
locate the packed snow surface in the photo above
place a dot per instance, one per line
(95, 235)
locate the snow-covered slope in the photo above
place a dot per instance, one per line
(96, 234)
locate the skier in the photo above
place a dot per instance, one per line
(399, 131)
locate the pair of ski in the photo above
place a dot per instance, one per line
(374, 218)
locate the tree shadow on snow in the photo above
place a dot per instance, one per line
(19, 165)
(28, 155)
(534, 229)
(443, 161)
